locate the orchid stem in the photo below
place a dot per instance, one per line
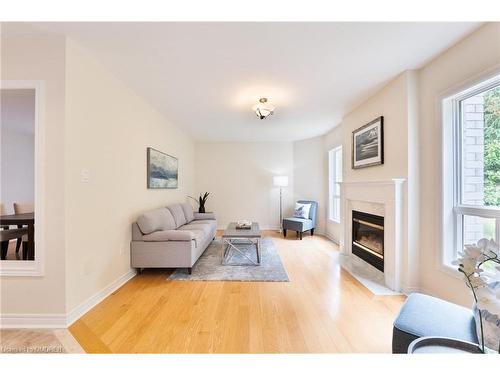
(478, 309)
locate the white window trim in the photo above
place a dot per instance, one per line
(36, 267)
(451, 209)
(332, 171)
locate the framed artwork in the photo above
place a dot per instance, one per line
(162, 170)
(368, 144)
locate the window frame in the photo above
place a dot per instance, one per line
(332, 181)
(453, 210)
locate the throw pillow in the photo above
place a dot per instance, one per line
(155, 220)
(178, 214)
(188, 212)
(302, 210)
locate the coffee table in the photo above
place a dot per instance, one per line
(233, 241)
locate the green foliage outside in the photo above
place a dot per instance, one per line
(492, 147)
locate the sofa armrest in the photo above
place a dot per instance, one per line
(204, 216)
(169, 235)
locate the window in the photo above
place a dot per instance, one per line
(335, 178)
(472, 189)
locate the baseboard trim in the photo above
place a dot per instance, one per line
(33, 321)
(331, 239)
(414, 289)
(90, 303)
(63, 320)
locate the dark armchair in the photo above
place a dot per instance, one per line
(301, 225)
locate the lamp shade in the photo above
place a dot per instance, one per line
(280, 181)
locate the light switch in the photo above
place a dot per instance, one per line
(85, 175)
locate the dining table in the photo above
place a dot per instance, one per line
(26, 219)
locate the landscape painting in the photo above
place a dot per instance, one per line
(162, 170)
(368, 144)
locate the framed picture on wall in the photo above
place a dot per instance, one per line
(368, 144)
(163, 170)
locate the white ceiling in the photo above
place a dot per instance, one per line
(205, 77)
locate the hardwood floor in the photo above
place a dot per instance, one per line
(322, 309)
(38, 341)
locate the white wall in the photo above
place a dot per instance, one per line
(310, 173)
(239, 177)
(397, 102)
(109, 128)
(106, 130)
(467, 60)
(390, 102)
(410, 106)
(17, 134)
(42, 58)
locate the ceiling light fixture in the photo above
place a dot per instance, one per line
(263, 109)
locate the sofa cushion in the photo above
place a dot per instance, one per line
(154, 220)
(199, 235)
(204, 216)
(188, 212)
(297, 224)
(205, 227)
(209, 221)
(169, 235)
(178, 214)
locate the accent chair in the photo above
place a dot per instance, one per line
(423, 315)
(301, 225)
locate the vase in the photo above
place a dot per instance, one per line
(491, 329)
(201, 210)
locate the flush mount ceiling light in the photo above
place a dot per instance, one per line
(263, 108)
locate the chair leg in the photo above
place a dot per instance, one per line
(4, 248)
(25, 250)
(300, 235)
(190, 270)
(312, 232)
(284, 232)
(18, 244)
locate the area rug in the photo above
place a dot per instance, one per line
(209, 267)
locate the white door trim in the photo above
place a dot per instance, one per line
(36, 267)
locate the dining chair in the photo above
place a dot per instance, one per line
(23, 208)
(11, 234)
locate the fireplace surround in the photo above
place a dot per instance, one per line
(381, 198)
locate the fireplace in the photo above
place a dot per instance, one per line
(368, 238)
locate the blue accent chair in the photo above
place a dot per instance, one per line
(423, 315)
(300, 225)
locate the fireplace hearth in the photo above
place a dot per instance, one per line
(368, 238)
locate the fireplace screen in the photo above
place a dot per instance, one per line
(368, 238)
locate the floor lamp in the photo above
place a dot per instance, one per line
(281, 182)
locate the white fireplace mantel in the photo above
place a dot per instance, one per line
(383, 198)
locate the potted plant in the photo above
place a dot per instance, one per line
(202, 199)
(480, 266)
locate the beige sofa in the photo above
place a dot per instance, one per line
(171, 237)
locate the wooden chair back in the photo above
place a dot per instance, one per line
(23, 208)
